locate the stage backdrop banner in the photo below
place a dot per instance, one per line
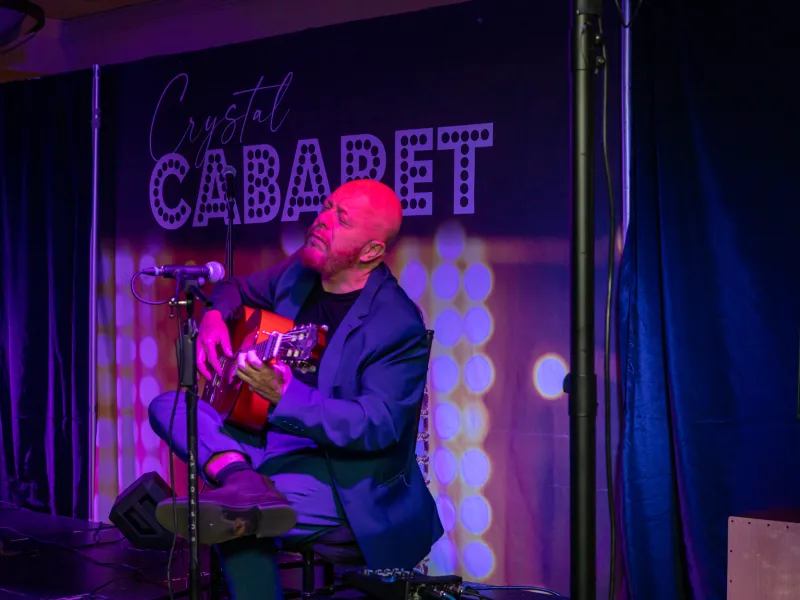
(466, 116)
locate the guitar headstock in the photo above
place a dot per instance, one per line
(296, 346)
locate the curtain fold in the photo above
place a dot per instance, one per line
(45, 210)
(710, 289)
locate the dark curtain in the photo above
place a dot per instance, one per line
(45, 189)
(710, 288)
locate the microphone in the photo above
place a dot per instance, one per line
(212, 271)
(229, 174)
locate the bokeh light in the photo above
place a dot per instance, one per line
(548, 375)
(444, 374)
(414, 279)
(447, 512)
(123, 268)
(446, 281)
(478, 325)
(125, 308)
(104, 350)
(445, 465)
(443, 557)
(479, 373)
(476, 515)
(150, 440)
(450, 240)
(446, 419)
(478, 281)
(145, 262)
(148, 352)
(126, 350)
(475, 421)
(475, 467)
(148, 389)
(448, 327)
(478, 559)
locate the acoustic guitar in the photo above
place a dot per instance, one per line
(273, 338)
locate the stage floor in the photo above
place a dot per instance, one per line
(56, 558)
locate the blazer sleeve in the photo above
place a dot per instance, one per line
(392, 385)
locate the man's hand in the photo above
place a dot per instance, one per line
(212, 333)
(268, 380)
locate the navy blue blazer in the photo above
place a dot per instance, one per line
(365, 410)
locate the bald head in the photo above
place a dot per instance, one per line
(357, 224)
(378, 204)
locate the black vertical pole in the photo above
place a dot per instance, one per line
(582, 379)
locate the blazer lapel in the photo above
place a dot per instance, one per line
(332, 358)
(291, 300)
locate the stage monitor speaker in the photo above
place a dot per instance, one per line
(134, 513)
(764, 556)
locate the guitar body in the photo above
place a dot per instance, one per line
(272, 337)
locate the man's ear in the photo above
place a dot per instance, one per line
(373, 251)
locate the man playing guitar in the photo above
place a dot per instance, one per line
(334, 468)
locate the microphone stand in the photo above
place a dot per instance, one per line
(230, 200)
(582, 378)
(187, 368)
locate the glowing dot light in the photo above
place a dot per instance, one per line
(148, 389)
(476, 515)
(148, 352)
(448, 327)
(147, 261)
(478, 559)
(123, 268)
(150, 440)
(475, 421)
(478, 373)
(450, 241)
(125, 310)
(106, 433)
(126, 350)
(443, 557)
(104, 354)
(446, 281)
(414, 280)
(151, 463)
(478, 325)
(475, 467)
(548, 375)
(126, 393)
(477, 281)
(444, 374)
(445, 465)
(446, 419)
(447, 513)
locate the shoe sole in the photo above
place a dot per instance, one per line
(218, 523)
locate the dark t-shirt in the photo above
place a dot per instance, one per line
(323, 308)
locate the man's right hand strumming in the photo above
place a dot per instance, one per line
(212, 334)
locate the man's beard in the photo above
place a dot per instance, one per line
(326, 262)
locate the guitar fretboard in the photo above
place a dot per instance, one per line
(263, 349)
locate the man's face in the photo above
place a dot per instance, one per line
(339, 233)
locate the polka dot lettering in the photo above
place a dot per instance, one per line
(167, 216)
(462, 140)
(262, 196)
(308, 181)
(363, 157)
(409, 171)
(211, 194)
